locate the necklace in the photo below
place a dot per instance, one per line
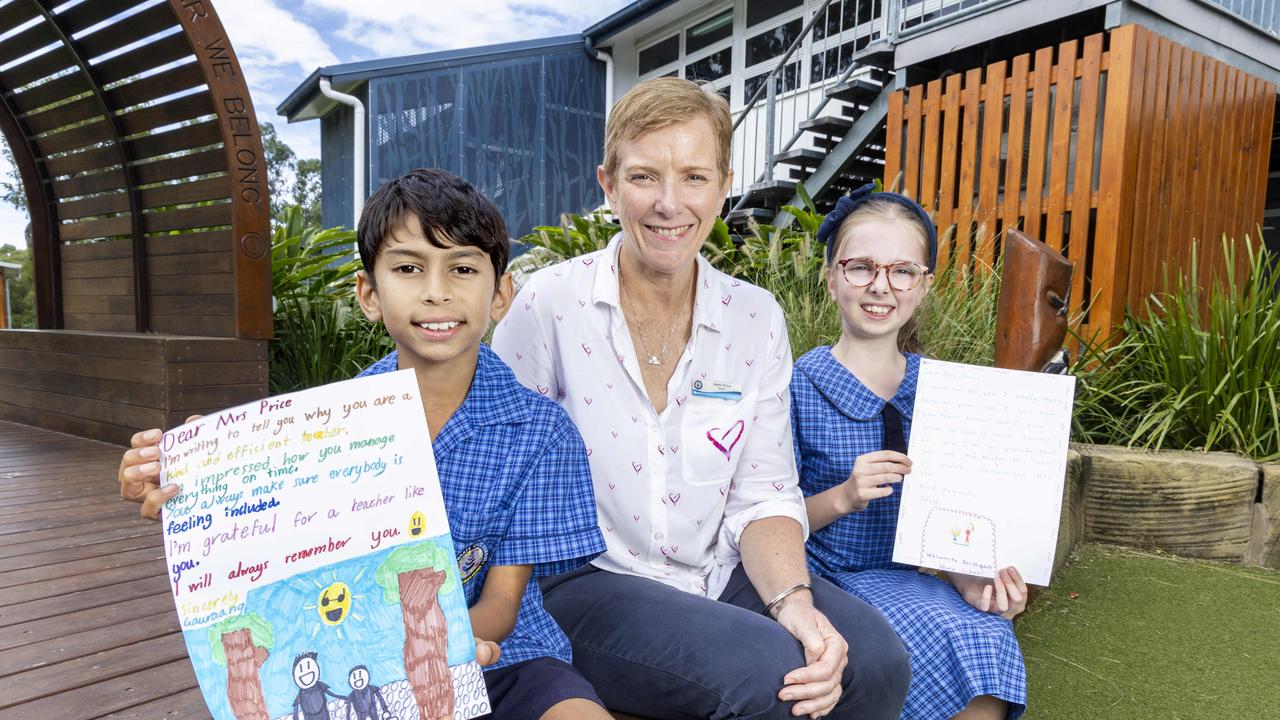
(652, 358)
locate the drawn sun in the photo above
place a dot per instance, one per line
(335, 603)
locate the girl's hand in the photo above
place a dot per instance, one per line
(871, 477)
(1006, 595)
(487, 652)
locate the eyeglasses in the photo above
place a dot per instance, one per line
(902, 276)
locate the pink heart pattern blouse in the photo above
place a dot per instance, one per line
(674, 490)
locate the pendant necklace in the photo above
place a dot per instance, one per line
(652, 358)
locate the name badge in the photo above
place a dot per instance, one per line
(717, 389)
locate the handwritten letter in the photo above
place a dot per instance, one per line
(989, 454)
(310, 558)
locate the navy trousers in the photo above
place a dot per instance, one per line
(654, 651)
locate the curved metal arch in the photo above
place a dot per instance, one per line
(140, 305)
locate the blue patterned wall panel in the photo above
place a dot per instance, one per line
(526, 129)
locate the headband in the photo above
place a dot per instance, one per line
(856, 199)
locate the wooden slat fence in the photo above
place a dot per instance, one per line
(1119, 150)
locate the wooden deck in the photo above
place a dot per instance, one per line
(87, 625)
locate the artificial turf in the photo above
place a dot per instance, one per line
(1132, 634)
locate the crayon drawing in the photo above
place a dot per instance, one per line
(311, 562)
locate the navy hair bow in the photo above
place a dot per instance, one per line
(854, 200)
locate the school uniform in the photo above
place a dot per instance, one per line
(517, 491)
(675, 491)
(957, 652)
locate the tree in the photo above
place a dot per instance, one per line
(242, 644)
(22, 291)
(306, 191)
(283, 165)
(413, 576)
(11, 192)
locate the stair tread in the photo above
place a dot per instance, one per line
(827, 125)
(805, 157)
(854, 90)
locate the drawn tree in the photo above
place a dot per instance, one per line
(413, 576)
(242, 643)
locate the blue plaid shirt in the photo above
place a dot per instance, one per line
(835, 418)
(517, 490)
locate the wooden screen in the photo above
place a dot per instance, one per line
(1119, 150)
(141, 159)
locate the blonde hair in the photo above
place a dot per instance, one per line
(887, 211)
(657, 103)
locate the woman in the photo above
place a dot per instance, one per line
(677, 376)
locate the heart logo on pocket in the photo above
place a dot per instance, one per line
(735, 430)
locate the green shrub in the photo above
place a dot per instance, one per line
(320, 334)
(1200, 371)
(957, 323)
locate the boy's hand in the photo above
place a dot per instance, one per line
(139, 474)
(487, 652)
(1006, 595)
(871, 476)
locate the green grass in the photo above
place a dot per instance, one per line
(1153, 636)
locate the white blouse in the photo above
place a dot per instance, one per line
(674, 489)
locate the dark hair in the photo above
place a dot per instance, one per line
(451, 211)
(302, 656)
(358, 667)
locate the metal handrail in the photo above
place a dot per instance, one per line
(782, 64)
(889, 18)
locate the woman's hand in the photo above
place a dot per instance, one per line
(1005, 595)
(814, 688)
(871, 478)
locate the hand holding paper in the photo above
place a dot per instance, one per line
(989, 453)
(310, 556)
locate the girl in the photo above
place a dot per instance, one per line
(851, 413)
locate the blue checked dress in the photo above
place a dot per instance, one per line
(517, 491)
(957, 652)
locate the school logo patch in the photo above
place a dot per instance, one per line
(471, 560)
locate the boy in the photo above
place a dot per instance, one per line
(513, 468)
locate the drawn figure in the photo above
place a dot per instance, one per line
(417, 523)
(967, 532)
(334, 603)
(311, 692)
(363, 697)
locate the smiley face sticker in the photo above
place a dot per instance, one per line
(417, 525)
(334, 603)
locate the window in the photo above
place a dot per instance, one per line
(832, 62)
(759, 11)
(659, 54)
(712, 67)
(708, 32)
(846, 15)
(772, 43)
(786, 81)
